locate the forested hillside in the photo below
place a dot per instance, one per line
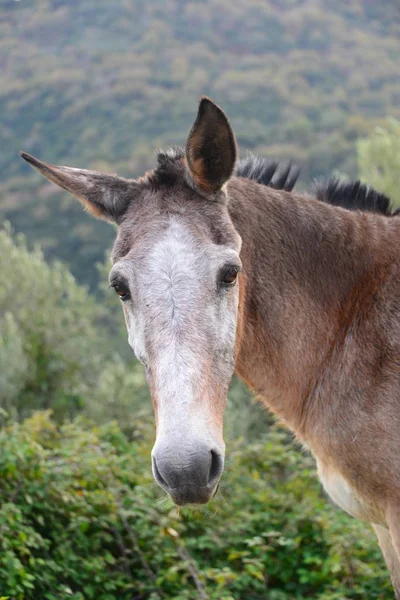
(101, 84)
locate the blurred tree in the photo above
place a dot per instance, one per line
(379, 159)
(57, 344)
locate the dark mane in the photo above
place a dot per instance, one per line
(280, 176)
(352, 195)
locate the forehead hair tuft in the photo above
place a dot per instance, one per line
(168, 158)
(169, 168)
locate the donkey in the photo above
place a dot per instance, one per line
(297, 294)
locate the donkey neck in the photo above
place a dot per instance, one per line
(309, 270)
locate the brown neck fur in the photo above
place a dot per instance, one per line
(310, 273)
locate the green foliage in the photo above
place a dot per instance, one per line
(82, 520)
(245, 417)
(47, 330)
(379, 159)
(101, 84)
(53, 351)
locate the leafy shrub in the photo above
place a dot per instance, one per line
(53, 350)
(47, 331)
(81, 520)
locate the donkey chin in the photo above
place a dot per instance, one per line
(189, 473)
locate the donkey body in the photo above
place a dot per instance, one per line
(217, 273)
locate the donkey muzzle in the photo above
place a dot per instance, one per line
(190, 475)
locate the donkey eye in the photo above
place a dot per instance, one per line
(121, 290)
(229, 275)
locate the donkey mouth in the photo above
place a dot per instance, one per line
(191, 494)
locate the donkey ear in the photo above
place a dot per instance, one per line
(105, 196)
(210, 148)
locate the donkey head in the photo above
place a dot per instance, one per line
(175, 268)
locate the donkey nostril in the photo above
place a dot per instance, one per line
(215, 467)
(200, 471)
(159, 478)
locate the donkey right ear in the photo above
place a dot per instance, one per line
(105, 196)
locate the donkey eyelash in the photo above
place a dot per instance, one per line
(233, 267)
(123, 291)
(117, 279)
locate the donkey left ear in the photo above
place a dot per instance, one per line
(105, 196)
(210, 149)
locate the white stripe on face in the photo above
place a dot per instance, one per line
(183, 326)
(173, 309)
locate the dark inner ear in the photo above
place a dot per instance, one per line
(210, 148)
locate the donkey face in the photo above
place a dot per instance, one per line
(175, 267)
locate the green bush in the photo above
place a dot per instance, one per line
(47, 332)
(81, 519)
(53, 348)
